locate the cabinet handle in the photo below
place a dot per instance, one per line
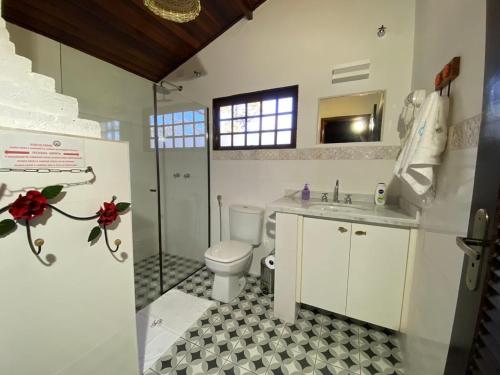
(360, 233)
(342, 229)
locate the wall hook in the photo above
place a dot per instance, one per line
(117, 242)
(381, 31)
(36, 247)
(34, 204)
(447, 75)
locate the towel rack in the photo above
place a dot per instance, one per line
(447, 75)
(88, 169)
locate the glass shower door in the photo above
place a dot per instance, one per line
(182, 133)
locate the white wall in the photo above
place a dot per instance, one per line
(78, 315)
(298, 42)
(105, 93)
(438, 262)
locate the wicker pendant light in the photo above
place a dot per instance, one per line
(175, 10)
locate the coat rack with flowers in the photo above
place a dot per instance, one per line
(35, 204)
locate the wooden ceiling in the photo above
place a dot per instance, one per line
(125, 33)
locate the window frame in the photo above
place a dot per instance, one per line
(171, 111)
(111, 130)
(276, 93)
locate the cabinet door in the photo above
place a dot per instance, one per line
(377, 272)
(325, 263)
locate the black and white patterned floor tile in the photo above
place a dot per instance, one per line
(243, 337)
(199, 285)
(380, 352)
(147, 276)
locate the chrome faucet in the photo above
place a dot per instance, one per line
(336, 193)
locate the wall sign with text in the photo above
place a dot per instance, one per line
(41, 151)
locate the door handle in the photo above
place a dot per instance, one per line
(360, 233)
(473, 247)
(470, 246)
(342, 229)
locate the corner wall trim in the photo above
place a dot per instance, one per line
(464, 134)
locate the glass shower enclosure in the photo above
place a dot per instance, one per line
(176, 132)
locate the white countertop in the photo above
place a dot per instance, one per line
(357, 211)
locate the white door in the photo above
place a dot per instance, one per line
(377, 274)
(325, 263)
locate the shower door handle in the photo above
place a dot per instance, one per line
(474, 248)
(152, 190)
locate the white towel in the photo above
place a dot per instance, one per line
(425, 144)
(411, 105)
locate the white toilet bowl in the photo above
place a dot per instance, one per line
(229, 261)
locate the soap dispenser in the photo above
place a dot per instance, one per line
(306, 193)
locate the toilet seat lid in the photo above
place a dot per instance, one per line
(228, 251)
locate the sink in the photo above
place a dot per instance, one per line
(336, 205)
(325, 206)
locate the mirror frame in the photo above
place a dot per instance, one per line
(319, 122)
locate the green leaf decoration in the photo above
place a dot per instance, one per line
(122, 206)
(50, 192)
(7, 226)
(94, 233)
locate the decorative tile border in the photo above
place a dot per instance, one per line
(318, 153)
(464, 134)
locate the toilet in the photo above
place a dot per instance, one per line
(230, 260)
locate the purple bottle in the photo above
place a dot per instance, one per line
(306, 193)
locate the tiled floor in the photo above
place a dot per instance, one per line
(243, 337)
(147, 276)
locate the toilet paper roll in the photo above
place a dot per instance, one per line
(270, 262)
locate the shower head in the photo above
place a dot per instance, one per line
(162, 90)
(162, 87)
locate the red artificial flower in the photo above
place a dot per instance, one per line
(108, 214)
(27, 207)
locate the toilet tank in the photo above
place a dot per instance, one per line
(245, 224)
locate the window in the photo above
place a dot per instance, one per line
(182, 129)
(263, 119)
(110, 130)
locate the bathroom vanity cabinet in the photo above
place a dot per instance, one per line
(354, 269)
(377, 270)
(325, 263)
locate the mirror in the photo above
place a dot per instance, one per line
(351, 118)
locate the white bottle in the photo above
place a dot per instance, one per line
(380, 194)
